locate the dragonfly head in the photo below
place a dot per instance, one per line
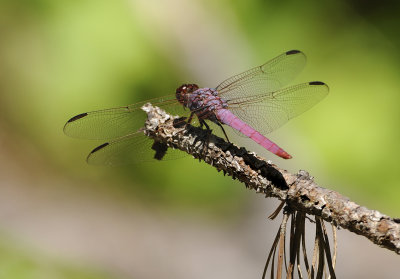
(184, 90)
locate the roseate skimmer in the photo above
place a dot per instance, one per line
(253, 103)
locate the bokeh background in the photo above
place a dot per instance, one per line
(61, 218)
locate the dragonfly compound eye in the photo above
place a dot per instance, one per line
(185, 89)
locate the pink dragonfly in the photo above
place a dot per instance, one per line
(253, 103)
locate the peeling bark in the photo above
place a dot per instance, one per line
(299, 191)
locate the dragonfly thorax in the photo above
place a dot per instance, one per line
(204, 102)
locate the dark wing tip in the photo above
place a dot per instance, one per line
(76, 117)
(293, 51)
(319, 83)
(89, 157)
(99, 147)
(316, 83)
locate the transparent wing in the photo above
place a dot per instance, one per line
(117, 122)
(268, 77)
(129, 149)
(269, 111)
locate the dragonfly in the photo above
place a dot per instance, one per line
(253, 103)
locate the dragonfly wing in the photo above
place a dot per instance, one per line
(269, 111)
(116, 122)
(129, 149)
(268, 77)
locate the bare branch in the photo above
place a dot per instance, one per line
(299, 191)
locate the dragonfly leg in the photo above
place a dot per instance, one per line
(203, 122)
(190, 117)
(223, 130)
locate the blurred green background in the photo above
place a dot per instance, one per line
(61, 218)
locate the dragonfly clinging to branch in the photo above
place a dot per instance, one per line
(254, 103)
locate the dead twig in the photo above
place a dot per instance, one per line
(299, 191)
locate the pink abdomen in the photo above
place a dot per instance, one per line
(228, 118)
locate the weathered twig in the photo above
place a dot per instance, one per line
(299, 191)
